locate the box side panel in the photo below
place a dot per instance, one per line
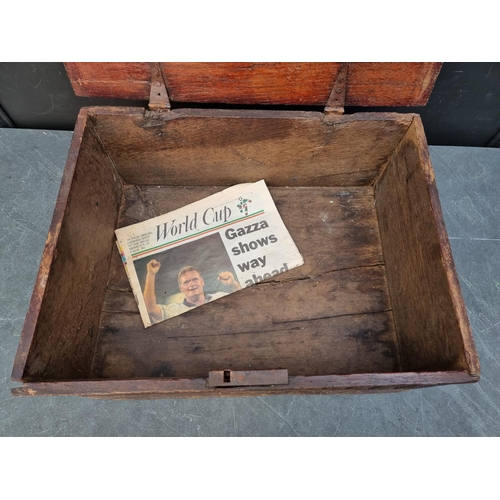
(208, 147)
(191, 388)
(74, 281)
(428, 323)
(48, 253)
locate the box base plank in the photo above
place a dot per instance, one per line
(287, 322)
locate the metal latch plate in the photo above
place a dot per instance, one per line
(158, 96)
(232, 378)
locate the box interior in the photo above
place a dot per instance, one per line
(372, 296)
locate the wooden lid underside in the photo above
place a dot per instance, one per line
(308, 84)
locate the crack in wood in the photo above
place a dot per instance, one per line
(270, 282)
(305, 278)
(332, 316)
(273, 330)
(111, 311)
(119, 289)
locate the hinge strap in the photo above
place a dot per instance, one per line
(158, 96)
(336, 101)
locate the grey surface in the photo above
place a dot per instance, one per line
(468, 179)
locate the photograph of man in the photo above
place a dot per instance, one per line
(190, 283)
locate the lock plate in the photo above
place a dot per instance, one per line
(233, 378)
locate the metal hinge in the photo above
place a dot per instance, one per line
(336, 101)
(158, 96)
(232, 378)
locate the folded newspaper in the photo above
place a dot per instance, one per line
(205, 251)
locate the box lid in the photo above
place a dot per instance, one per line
(311, 84)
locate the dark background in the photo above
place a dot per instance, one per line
(463, 110)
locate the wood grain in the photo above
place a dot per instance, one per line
(214, 147)
(429, 330)
(391, 84)
(61, 329)
(369, 84)
(112, 80)
(251, 83)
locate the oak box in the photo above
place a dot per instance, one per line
(375, 307)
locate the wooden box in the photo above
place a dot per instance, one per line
(376, 306)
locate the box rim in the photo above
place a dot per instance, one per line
(82, 122)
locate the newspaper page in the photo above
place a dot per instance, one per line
(205, 251)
